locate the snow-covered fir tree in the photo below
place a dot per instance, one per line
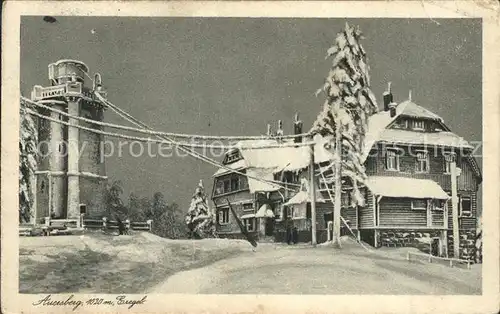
(348, 104)
(199, 219)
(27, 162)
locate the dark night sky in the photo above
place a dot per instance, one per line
(224, 76)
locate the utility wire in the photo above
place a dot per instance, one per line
(127, 128)
(194, 154)
(280, 184)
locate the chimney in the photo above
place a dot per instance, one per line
(392, 108)
(297, 129)
(387, 97)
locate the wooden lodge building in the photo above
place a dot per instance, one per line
(407, 157)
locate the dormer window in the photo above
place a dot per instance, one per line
(401, 124)
(232, 157)
(418, 125)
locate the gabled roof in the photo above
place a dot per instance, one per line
(410, 109)
(295, 158)
(277, 159)
(445, 139)
(378, 131)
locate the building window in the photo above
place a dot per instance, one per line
(248, 207)
(418, 125)
(232, 157)
(392, 160)
(438, 205)
(419, 204)
(223, 216)
(289, 212)
(249, 224)
(422, 162)
(346, 198)
(465, 207)
(219, 187)
(401, 124)
(448, 159)
(42, 187)
(235, 184)
(227, 186)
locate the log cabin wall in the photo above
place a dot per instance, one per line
(237, 200)
(397, 212)
(366, 217)
(375, 164)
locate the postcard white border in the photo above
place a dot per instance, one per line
(13, 302)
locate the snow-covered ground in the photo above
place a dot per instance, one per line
(302, 269)
(112, 264)
(144, 262)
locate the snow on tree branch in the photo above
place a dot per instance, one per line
(349, 103)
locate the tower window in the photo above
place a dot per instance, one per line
(42, 187)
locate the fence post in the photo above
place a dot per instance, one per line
(104, 219)
(47, 226)
(150, 223)
(408, 256)
(451, 263)
(127, 224)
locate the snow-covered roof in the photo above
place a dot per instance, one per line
(261, 186)
(285, 158)
(378, 123)
(411, 109)
(303, 197)
(237, 165)
(247, 216)
(405, 187)
(447, 139)
(294, 158)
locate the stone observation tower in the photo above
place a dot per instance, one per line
(71, 176)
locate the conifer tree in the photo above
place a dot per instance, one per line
(199, 219)
(348, 105)
(28, 139)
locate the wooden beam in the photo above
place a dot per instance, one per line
(338, 185)
(454, 203)
(312, 191)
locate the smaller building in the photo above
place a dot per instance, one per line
(267, 209)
